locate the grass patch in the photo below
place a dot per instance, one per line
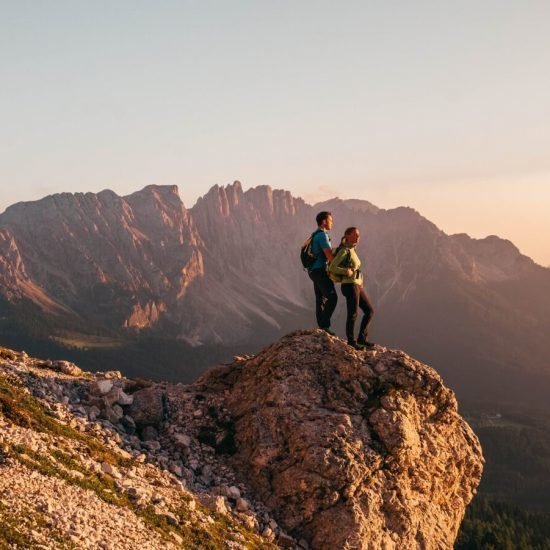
(102, 485)
(11, 535)
(26, 411)
(86, 342)
(213, 536)
(193, 533)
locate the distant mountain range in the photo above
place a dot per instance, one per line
(99, 270)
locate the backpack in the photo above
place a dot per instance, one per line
(306, 252)
(336, 277)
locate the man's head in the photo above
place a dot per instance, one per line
(324, 220)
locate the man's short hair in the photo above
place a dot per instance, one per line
(322, 216)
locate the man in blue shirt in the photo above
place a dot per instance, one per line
(325, 293)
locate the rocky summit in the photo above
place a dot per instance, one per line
(308, 444)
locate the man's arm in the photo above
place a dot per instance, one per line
(324, 245)
(328, 254)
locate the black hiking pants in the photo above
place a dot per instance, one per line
(357, 298)
(325, 297)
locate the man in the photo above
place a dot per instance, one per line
(325, 293)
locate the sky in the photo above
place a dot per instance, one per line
(441, 106)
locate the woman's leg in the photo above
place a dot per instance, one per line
(368, 310)
(351, 294)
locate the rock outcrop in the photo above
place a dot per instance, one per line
(309, 444)
(351, 449)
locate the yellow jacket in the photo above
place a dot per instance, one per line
(345, 259)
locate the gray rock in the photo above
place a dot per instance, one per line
(151, 445)
(149, 433)
(112, 374)
(129, 425)
(112, 396)
(112, 415)
(182, 440)
(66, 367)
(124, 399)
(176, 469)
(207, 474)
(233, 492)
(171, 518)
(147, 408)
(285, 541)
(101, 387)
(268, 534)
(111, 470)
(242, 505)
(215, 503)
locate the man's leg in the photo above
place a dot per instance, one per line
(325, 297)
(330, 298)
(319, 298)
(319, 304)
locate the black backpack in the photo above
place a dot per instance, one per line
(306, 253)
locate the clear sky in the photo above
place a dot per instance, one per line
(442, 106)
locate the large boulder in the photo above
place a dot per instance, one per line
(148, 407)
(350, 449)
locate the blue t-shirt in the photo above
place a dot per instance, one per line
(321, 240)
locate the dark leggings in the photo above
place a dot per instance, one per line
(357, 298)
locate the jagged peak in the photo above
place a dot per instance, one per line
(163, 194)
(491, 240)
(56, 201)
(155, 189)
(222, 198)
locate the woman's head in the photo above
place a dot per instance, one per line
(351, 235)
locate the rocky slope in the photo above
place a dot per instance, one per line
(308, 444)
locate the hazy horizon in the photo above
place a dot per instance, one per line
(442, 108)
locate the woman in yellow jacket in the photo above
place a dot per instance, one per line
(344, 268)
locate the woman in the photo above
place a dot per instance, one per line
(345, 266)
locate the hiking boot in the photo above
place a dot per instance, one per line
(365, 343)
(328, 331)
(356, 345)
